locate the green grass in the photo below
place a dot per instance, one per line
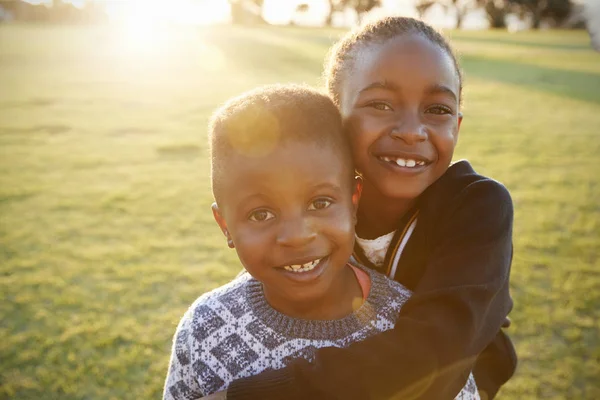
(106, 234)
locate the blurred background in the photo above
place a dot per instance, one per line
(106, 233)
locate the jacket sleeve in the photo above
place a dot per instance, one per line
(457, 308)
(181, 383)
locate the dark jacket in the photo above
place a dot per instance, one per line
(457, 263)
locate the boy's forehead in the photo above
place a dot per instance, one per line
(289, 165)
(278, 159)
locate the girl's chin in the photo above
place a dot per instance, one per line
(397, 192)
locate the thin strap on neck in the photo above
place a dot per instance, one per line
(399, 242)
(363, 280)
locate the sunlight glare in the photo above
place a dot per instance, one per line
(145, 13)
(145, 25)
(278, 12)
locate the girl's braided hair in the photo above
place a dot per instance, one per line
(342, 55)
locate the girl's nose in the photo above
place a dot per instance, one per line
(409, 129)
(295, 233)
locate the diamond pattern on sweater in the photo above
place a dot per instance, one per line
(235, 302)
(234, 354)
(182, 391)
(181, 350)
(211, 381)
(265, 336)
(205, 322)
(308, 353)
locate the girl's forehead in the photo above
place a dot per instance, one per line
(403, 59)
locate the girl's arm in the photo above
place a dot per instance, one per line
(456, 310)
(181, 383)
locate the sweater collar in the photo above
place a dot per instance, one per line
(319, 329)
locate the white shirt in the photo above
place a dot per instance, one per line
(375, 249)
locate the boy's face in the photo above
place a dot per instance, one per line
(291, 217)
(401, 109)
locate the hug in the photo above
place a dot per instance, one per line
(375, 267)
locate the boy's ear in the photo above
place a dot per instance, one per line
(222, 224)
(358, 186)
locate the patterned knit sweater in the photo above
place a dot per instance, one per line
(232, 332)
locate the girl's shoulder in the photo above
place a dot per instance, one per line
(462, 187)
(461, 177)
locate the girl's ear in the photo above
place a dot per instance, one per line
(460, 118)
(358, 186)
(222, 224)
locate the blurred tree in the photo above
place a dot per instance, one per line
(555, 11)
(333, 7)
(57, 11)
(360, 6)
(363, 6)
(495, 11)
(246, 11)
(462, 7)
(592, 22)
(422, 6)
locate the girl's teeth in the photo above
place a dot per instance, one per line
(302, 267)
(403, 163)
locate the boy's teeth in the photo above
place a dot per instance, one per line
(302, 267)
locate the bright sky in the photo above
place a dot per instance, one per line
(146, 13)
(214, 11)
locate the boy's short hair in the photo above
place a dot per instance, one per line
(256, 122)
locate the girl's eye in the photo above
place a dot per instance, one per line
(381, 106)
(439, 110)
(261, 216)
(319, 204)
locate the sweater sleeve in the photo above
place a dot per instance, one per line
(181, 383)
(457, 308)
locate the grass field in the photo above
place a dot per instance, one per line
(106, 234)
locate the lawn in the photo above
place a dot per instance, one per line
(106, 234)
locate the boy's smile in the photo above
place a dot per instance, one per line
(401, 110)
(291, 215)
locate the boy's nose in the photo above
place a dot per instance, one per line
(295, 233)
(409, 129)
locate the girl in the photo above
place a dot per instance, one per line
(441, 230)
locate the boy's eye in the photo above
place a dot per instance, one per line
(319, 204)
(439, 110)
(381, 106)
(261, 216)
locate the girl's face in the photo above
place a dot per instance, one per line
(400, 104)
